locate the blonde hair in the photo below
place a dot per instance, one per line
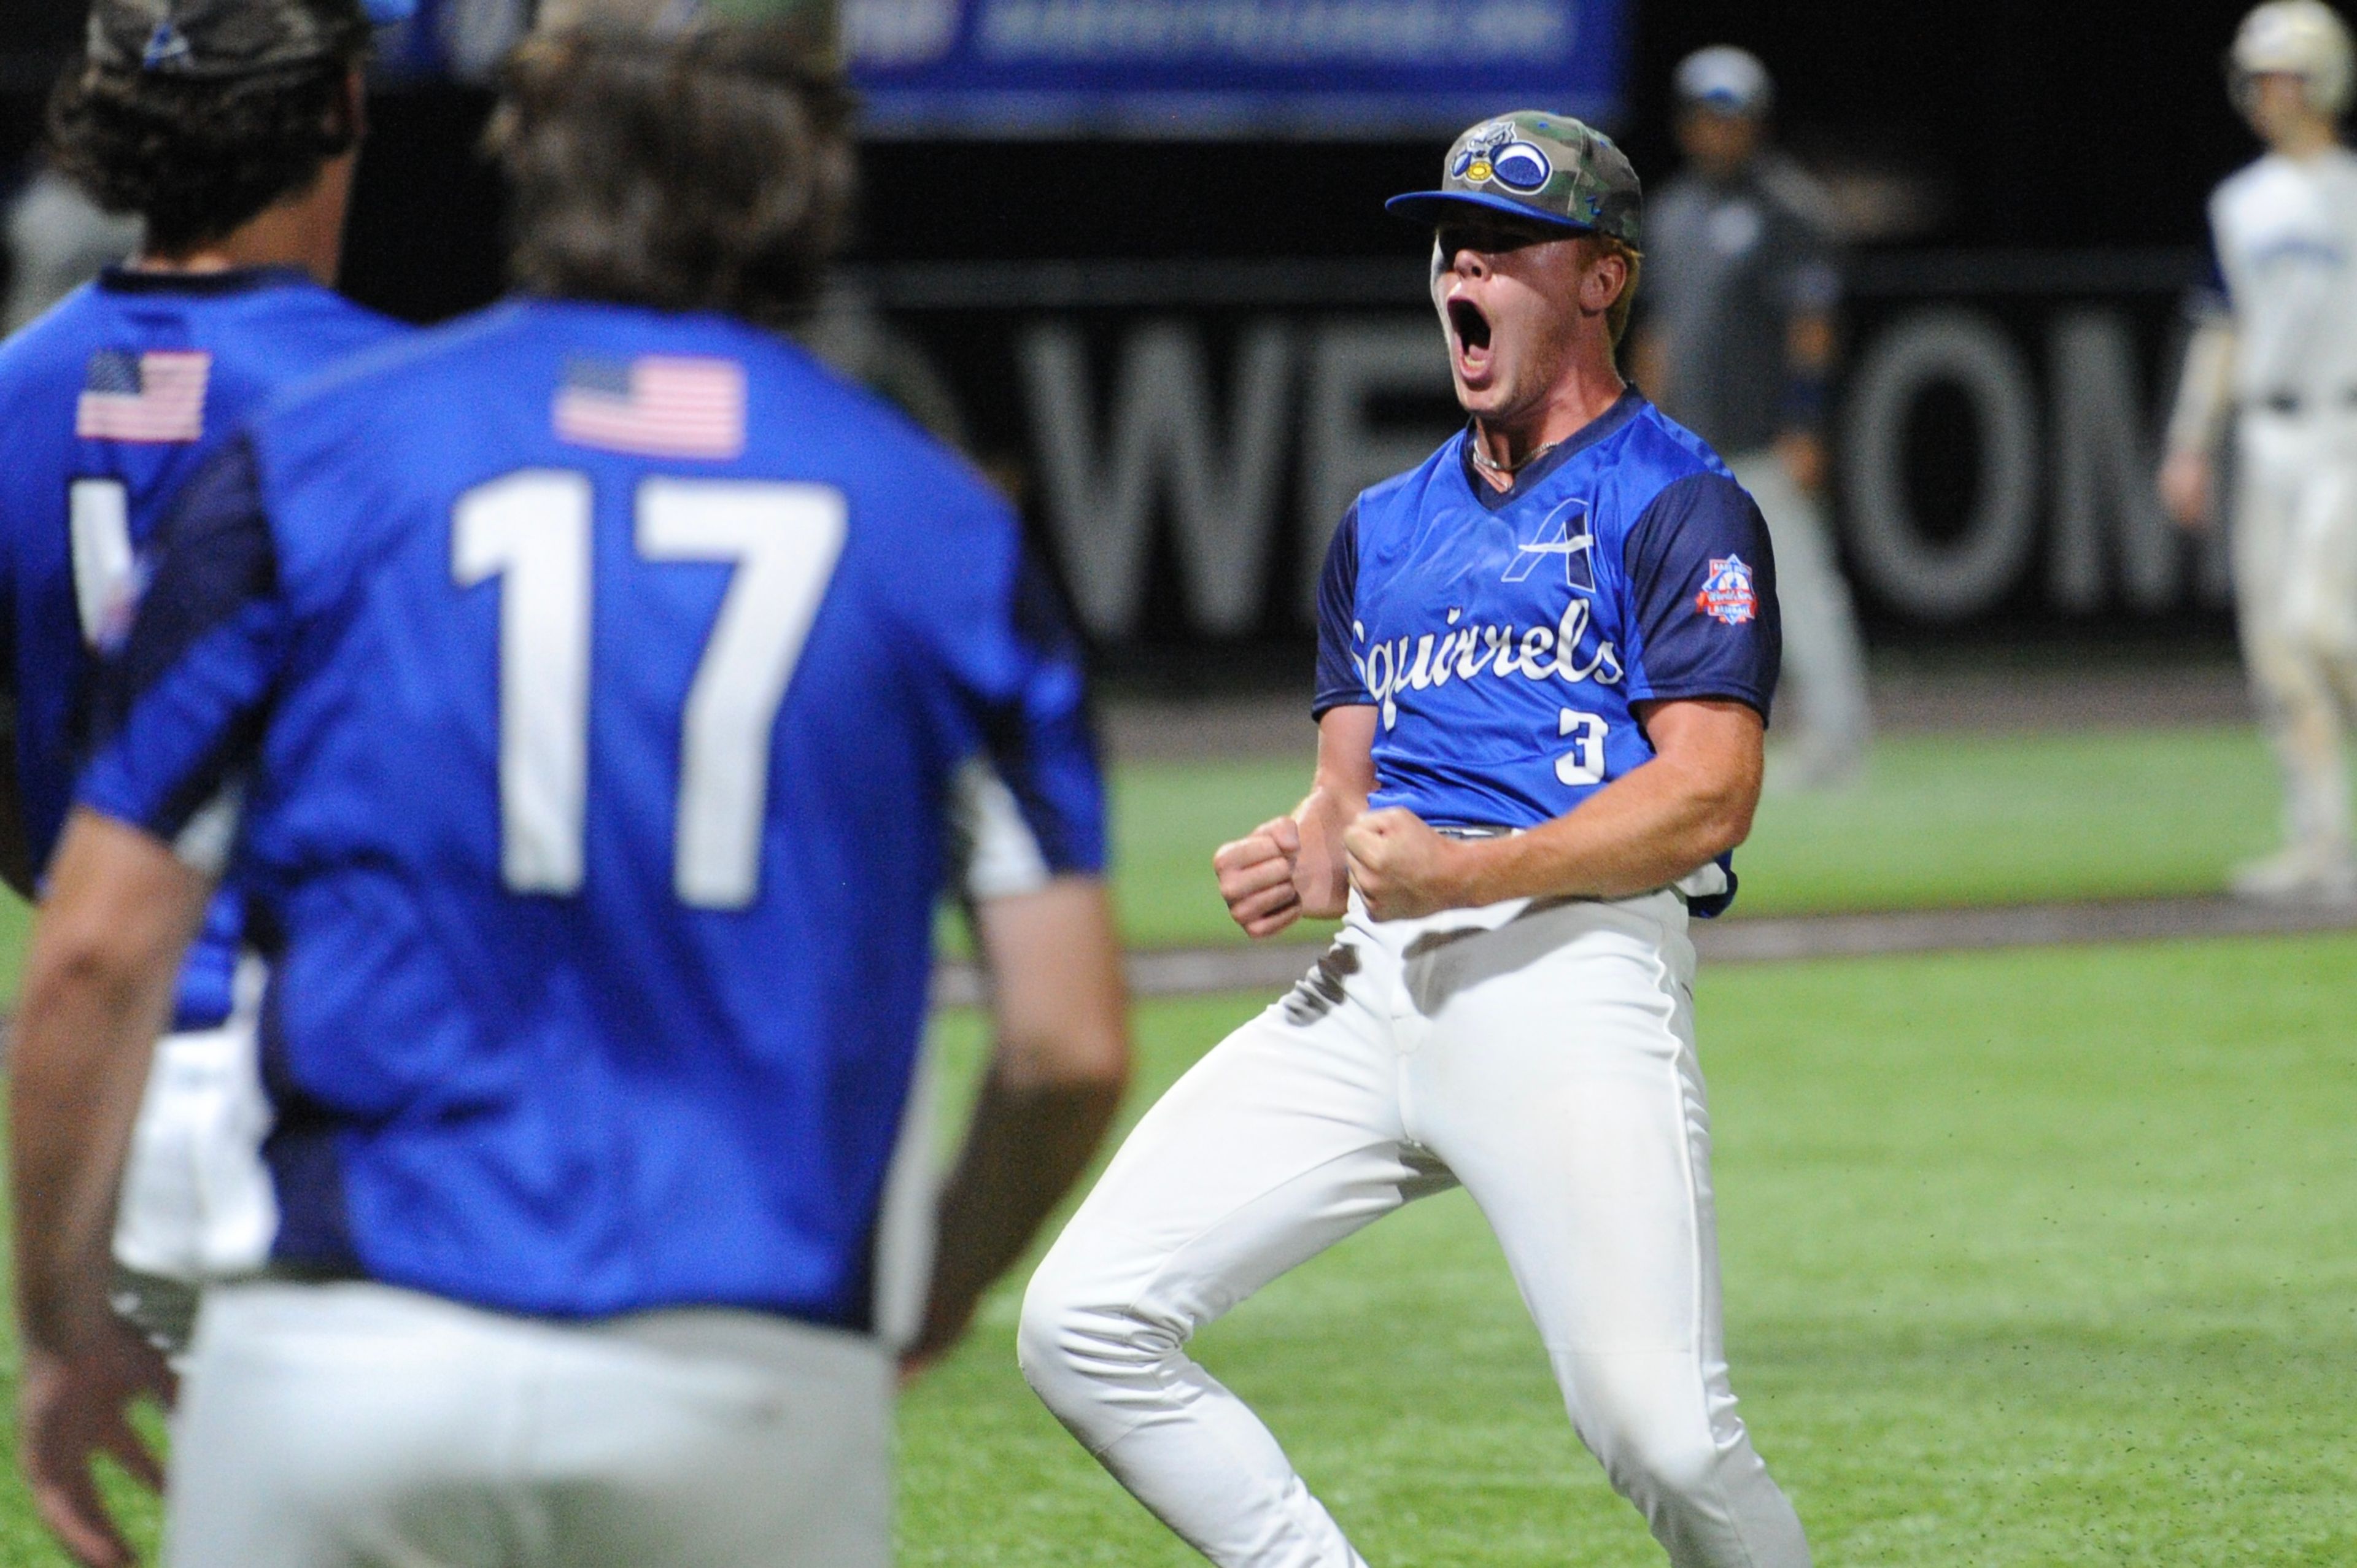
(1615, 317)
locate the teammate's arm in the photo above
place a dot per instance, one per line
(1809, 340)
(2198, 421)
(1688, 805)
(1062, 1053)
(98, 991)
(1294, 866)
(1055, 1077)
(210, 642)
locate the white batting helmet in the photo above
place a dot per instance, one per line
(2305, 38)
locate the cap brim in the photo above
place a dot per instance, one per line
(1432, 207)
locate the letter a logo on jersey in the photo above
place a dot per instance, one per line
(1727, 593)
(1564, 534)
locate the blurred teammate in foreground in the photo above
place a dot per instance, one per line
(1735, 339)
(2283, 359)
(595, 671)
(1545, 658)
(228, 131)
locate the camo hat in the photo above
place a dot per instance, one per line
(673, 18)
(215, 40)
(1532, 164)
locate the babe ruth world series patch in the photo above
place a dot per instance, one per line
(1727, 593)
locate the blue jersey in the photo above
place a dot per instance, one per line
(1507, 639)
(110, 401)
(599, 676)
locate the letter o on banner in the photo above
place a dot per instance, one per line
(1955, 579)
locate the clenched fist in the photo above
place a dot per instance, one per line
(1401, 868)
(1257, 876)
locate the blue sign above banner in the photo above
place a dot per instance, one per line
(1308, 69)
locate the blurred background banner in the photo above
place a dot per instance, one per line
(1314, 68)
(1133, 254)
(1186, 433)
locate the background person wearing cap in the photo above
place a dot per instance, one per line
(592, 1059)
(1735, 339)
(228, 130)
(2283, 357)
(1545, 658)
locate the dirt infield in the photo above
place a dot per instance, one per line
(1194, 971)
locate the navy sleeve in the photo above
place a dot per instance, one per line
(180, 710)
(1340, 682)
(1702, 596)
(1039, 736)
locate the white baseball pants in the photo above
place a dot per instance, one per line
(2296, 600)
(197, 1200)
(1540, 1054)
(357, 1426)
(1824, 658)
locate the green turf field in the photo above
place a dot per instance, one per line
(2031, 1258)
(1939, 819)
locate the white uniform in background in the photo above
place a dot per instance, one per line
(2287, 239)
(58, 240)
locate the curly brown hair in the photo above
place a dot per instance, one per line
(197, 158)
(712, 172)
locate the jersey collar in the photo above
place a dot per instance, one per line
(232, 280)
(1624, 409)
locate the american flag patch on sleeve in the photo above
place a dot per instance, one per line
(656, 406)
(157, 396)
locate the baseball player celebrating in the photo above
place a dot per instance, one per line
(597, 670)
(2285, 357)
(1545, 663)
(231, 129)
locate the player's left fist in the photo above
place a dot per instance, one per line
(1401, 868)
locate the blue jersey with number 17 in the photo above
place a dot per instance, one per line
(110, 402)
(601, 675)
(1509, 640)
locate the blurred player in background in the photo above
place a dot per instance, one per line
(230, 131)
(2282, 358)
(1545, 658)
(597, 670)
(1735, 340)
(58, 239)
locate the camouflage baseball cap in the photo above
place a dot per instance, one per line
(1532, 164)
(218, 39)
(671, 19)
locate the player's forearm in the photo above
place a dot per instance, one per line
(1808, 375)
(2203, 388)
(1029, 1144)
(1644, 831)
(1060, 1015)
(1322, 875)
(97, 994)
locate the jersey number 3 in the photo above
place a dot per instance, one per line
(533, 529)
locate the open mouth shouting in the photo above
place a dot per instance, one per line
(1469, 340)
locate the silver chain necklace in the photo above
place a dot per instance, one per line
(1482, 459)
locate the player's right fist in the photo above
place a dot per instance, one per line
(1256, 874)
